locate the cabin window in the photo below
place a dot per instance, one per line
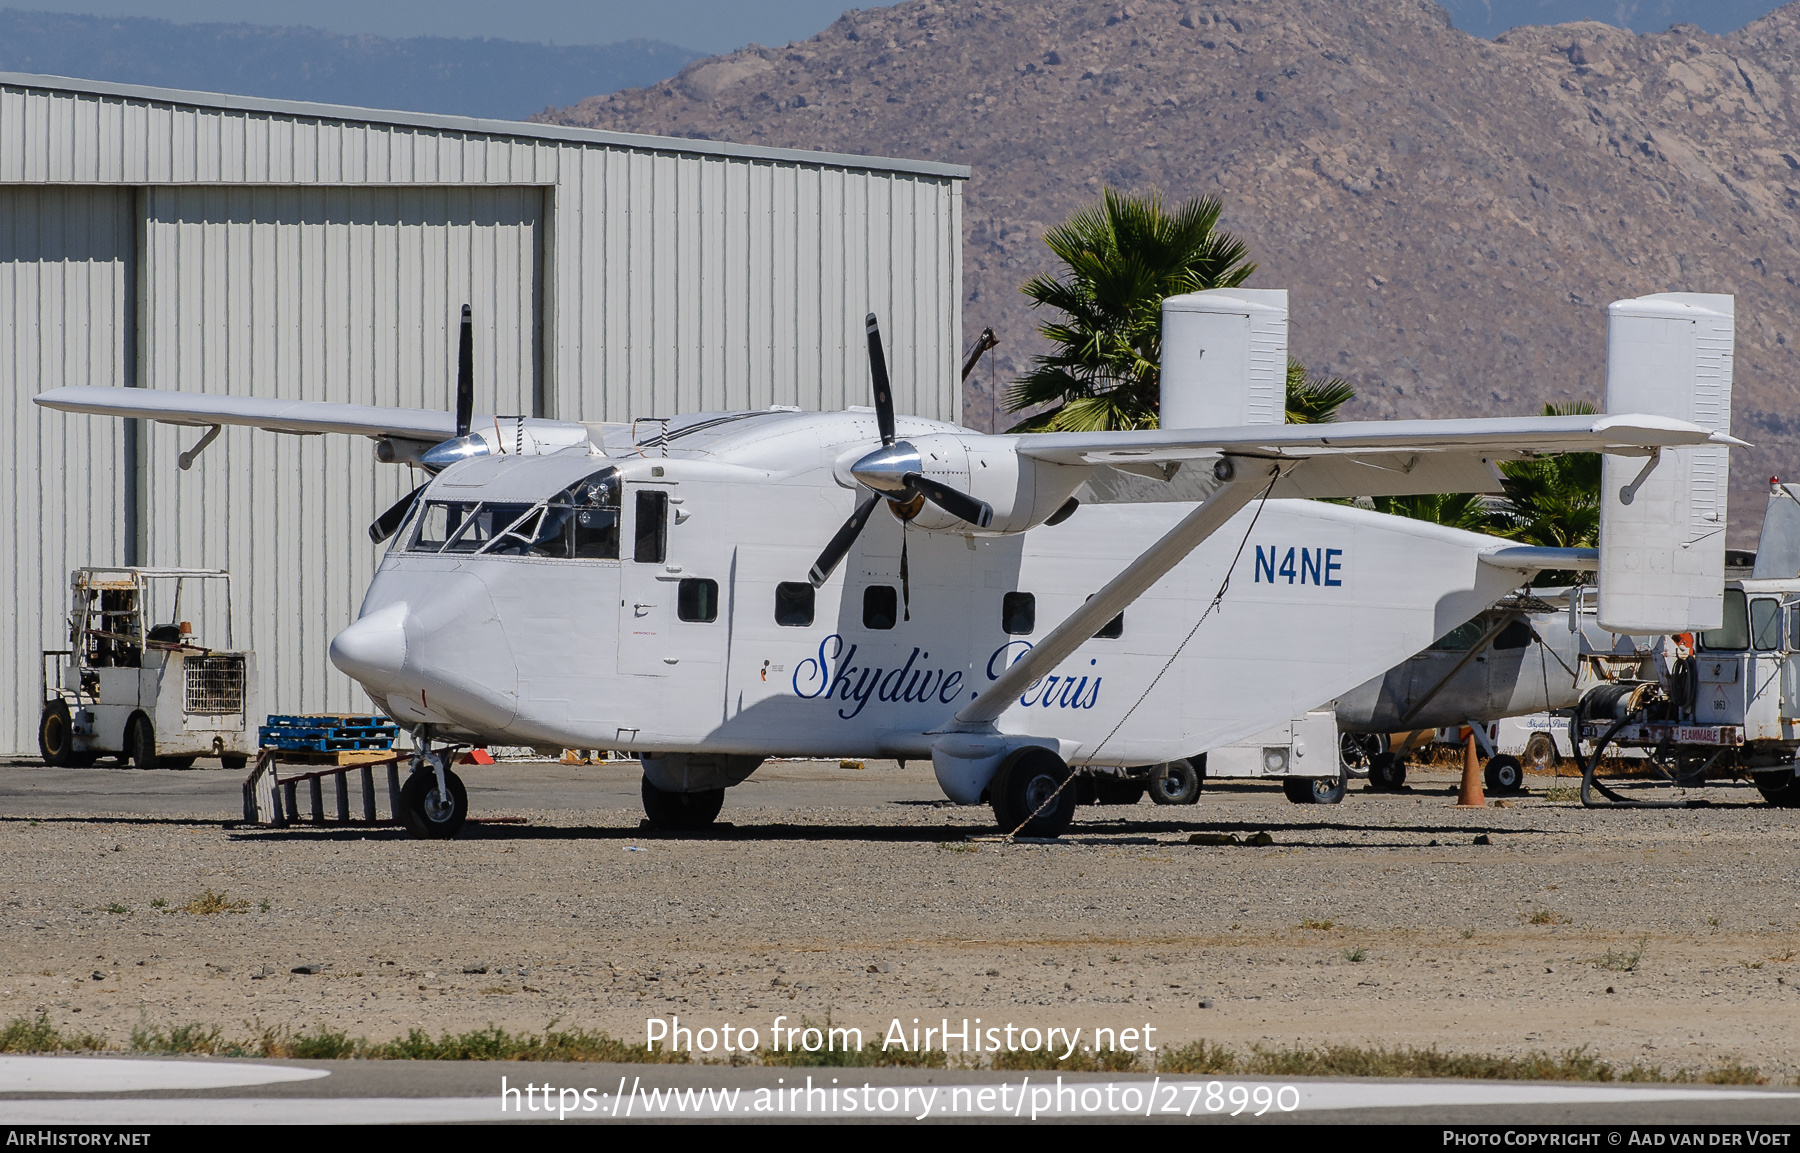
(1113, 629)
(1734, 634)
(1765, 624)
(794, 604)
(1516, 635)
(1460, 639)
(1018, 614)
(697, 599)
(881, 607)
(650, 536)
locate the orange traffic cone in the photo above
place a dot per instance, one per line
(1472, 796)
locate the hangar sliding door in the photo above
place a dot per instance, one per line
(319, 293)
(66, 280)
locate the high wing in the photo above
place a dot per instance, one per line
(304, 417)
(1377, 458)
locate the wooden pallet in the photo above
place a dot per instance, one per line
(338, 757)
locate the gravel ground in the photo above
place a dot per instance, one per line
(1670, 937)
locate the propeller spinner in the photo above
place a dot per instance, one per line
(894, 471)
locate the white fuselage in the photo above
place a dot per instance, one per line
(594, 653)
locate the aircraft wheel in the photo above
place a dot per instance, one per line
(1504, 774)
(1111, 790)
(426, 812)
(56, 735)
(1316, 790)
(1779, 789)
(1357, 752)
(681, 812)
(1540, 753)
(1387, 773)
(1030, 778)
(1175, 783)
(140, 743)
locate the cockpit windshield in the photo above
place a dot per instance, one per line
(579, 523)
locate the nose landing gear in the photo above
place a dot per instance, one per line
(433, 802)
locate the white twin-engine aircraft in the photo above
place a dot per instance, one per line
(1008, 606)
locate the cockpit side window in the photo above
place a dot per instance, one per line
(441, 520)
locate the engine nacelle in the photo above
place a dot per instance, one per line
(1023, 492)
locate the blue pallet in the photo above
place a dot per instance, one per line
(325, 734)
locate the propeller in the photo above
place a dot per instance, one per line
(388, 523)
(465, 375)
(445, 453)
(893, 471)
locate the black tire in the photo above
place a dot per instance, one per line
(422, 810)
(56, 735)
(1779, 789)
(1175, 783)
(1541, 754)
(681, 812)
(1111, 790)
(1504, 774)
(1316, 790)
(1387, 773)
(1357, 752)
(1020, 789)
(140, 742)
(233, 762)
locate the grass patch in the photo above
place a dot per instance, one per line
(1562, 793)
(115, 907)
(38, 1035)
(1620, 961)
(1356, 956)
(1096, 1061)
(1546, 917)
(209, 902)
(192, 1038)
(1310, 923)
(1356, 1061)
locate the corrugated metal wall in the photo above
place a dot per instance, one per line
(66, 291)
(342, 294)
(290, 250)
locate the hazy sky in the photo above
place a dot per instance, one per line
(721, 25)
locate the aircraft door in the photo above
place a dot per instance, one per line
(647, 589)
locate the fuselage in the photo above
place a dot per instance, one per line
(692, 628)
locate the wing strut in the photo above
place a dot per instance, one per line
(1235, 491)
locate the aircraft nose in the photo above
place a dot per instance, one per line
(373, 649)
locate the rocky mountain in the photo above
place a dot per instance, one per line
(1451, 214)
(505, 79)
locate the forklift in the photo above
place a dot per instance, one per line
(137, 684)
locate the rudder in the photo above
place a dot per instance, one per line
(1662, 531)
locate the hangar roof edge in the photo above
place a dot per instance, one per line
(476, 126)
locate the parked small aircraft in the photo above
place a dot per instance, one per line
(1008, 606)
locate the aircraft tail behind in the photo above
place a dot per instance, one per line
(1662, 519)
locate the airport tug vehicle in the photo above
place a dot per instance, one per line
(720, 588)
(136, 682)
(1716, 700)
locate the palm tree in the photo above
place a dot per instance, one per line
(1553, 501)
(1314, 399)
(1124, 255)
(1464, 510)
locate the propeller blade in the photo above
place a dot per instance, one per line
(977, 512)
(840, 544)
(465, 376)
(884, 395)
(388, 523)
